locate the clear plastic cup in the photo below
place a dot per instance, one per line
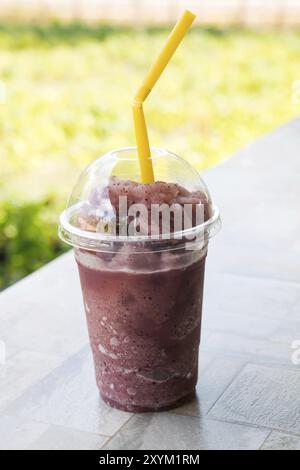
(142, 294)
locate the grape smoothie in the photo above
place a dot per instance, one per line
(144, 326)
(143, 307)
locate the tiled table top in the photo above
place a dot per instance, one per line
(248, 395)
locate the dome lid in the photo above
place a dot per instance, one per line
(94, 206)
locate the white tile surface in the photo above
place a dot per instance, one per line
(48, 316)
(275, 349)
(251, 314)
(22, 370)
(169, 431)
(18, 434)
(262, 396)
(69, 397)
(248, 297)
(280, 441)
(24, 434)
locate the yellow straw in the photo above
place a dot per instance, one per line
(151, 78)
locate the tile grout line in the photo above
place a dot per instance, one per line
(221, 393)
(297, 436)
(252, 425)
(115, 433)
(240, 370)
(265, 440)
(227, 386)
(63, 426)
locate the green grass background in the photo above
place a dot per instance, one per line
(66, 98)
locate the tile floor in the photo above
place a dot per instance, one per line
(248, 395)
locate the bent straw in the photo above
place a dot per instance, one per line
(151, 78)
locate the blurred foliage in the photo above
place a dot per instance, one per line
(65, 97)
(28, 238)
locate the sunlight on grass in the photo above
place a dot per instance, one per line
(69, 92)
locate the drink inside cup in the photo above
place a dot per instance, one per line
(142, 292)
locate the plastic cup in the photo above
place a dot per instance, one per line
(142, 296)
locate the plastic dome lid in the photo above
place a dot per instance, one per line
(92, 205)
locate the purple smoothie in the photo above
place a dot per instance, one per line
(143, 309)
(144, 326)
